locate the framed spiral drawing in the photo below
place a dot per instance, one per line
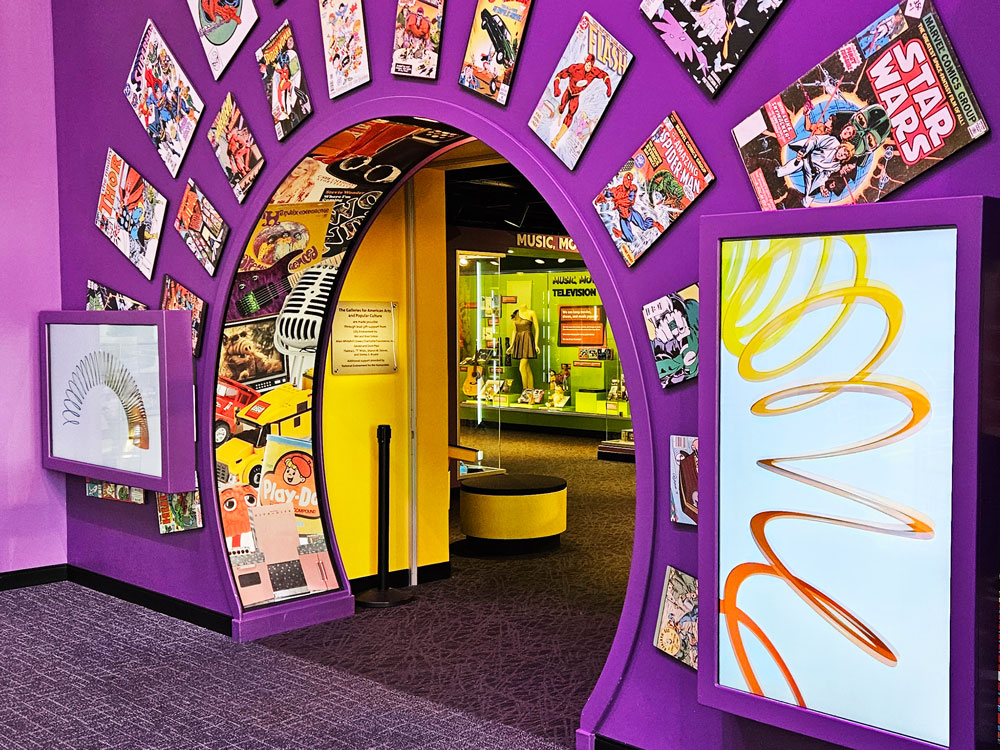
(118, 397)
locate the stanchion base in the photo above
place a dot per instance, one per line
(388, 598)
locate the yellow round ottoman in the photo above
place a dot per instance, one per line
(513, 513)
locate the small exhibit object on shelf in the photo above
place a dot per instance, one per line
(677, 622)
(118, 397)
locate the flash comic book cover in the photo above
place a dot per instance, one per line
(345, 45)
(417, 39)
(677, 623)
(587, 76)
(888, 105)
(235, 148)
(130, 212)
(284, 82)
(684, 479)
(201, 227)
(222, 26)
(101, 297)
(710, 37)
(494, 43)
(176, 296)
(672, 326)
(652, 189)
(163, 98)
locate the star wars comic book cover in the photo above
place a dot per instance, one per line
(417, 39)
(176, 296)
(494, 43)
(345, 45)
(284, 82)
(587, 76)
(710, 37)
(222, 26)
(201, 227)
(672, 326)
(677, 623)
(102, 297)
(886, 106)
(652, 189)
(235, 148)
(163, 98)
(684, 479)
(130, 212)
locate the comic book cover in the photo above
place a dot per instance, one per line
(417, 39)
(684, 479)
(111, 491)
(235, 147)
(176, 296)
(494, 42)
(249, 356)
(201, 227)
(345, 45)
(222, 26)
(710, 37)
(284, 82)
(587, 76)
(178, 511)
(101, 297)
(889, 104)
(672, 326)
(163, 98)
(652, 189)
(677, 623)
(130, 212)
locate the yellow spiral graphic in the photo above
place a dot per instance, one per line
(751, 324)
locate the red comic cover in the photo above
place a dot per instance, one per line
(284, 84)
(235, 148)
(883, 108)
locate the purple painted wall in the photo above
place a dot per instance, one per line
(642, 698)
(32, 500)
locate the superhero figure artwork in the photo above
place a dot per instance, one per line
(652, 189)
(130, 212)
(345, 45)
(222, 26)
(284, 84)
(494, 42)
(883, 108)
(201, 227)
(710, 37)
(672, 326)
(163, 99)
(585, 80)
(417, 39)
(235, 148)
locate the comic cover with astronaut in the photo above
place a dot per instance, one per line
(163, 98)
(201, 227)
(494, 42)
(345, 45)
(652, 189)
(222, 26)
(417, 39)
(672, 326)
(235, 148)
(284, 83)
(587, 76)
(130, 212)
(710, 37)
(677, 623)
(889, 104)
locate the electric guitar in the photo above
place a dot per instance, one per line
(263, 292)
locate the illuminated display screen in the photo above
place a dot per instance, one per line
(835, 459)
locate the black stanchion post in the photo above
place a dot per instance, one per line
(383, 596)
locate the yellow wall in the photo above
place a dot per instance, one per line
(354, 405)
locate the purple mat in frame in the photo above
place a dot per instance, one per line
(971, 694)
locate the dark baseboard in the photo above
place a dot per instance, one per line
(167, 605)
(17, 579)
(399, 579)
(603, 743)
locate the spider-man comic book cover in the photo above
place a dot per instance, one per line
(652, 189)
(284, 82)
(235, 148)
(710, 37)
(883, 108)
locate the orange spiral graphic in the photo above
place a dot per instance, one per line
(749, 270)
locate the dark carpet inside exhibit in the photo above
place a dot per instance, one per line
(501, 655)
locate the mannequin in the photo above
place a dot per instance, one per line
(524, 343)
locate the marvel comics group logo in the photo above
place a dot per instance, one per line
(584, 23)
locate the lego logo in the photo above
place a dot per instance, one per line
(258, 409)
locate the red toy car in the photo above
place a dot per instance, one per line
(230, 397)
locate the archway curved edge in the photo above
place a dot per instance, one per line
(627, 330)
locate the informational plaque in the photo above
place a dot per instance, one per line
(581, 325)
(364, 338)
